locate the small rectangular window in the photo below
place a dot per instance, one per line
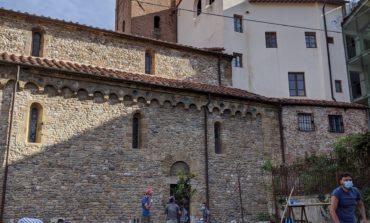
(330, 40)
(305, 122)
(336, 123)
(296, 84)
(310, 38)
(271, 40)
(211, 1)
(238, 23)
(238, 60)
(338, 86)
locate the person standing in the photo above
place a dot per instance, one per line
(146, 204)
(344, 200)
(205, 213)
(172, 211)
(184, 218)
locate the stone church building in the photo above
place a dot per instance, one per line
(89, 118)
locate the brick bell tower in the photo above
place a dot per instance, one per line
(150, 18)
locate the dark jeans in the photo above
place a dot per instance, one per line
(145, 219)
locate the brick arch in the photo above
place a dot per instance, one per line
(179, 166)
(50, 90)
(31, 87)
(82, 94)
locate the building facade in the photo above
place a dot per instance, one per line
(356, 31)
(155, 19)
(280, 47)
(90, 118)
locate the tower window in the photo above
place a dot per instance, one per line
(211, 1)
(36, 44)
(157, 21)
(123, 26)
(136, 131)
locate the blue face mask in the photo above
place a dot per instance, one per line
(348, 185)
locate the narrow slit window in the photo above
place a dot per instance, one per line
(34, 125)
(136, 131)
(199, 7)
(36, 44)
(149, 57)
(217, 129)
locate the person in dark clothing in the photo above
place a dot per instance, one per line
(184, 218)
(205, 213)
(172, 211)
(344, 200)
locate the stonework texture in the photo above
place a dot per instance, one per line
(86, 170)
(112, 50)
(298, 143)
(139, 18)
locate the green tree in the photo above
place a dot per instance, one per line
(183, 191)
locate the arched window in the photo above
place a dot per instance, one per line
(179, 167)
(199, 7)
(36, 44)
(149, 62)
(217, 128)
(211, 1)
(157, 21)
(123, 26)
(34, 125)
(136, 131)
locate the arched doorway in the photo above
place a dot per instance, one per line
(181, 189)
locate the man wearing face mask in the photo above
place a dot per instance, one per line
(344, 201)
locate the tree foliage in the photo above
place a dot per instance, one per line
(183, 190)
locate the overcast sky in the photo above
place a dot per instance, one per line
(98, 13)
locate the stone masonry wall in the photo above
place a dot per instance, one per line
(6, 89)
(86, 170)
(139, 18)
(106, 49)
(299, 143)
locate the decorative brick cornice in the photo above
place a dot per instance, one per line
(118, 75)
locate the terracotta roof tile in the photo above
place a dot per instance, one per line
(118, 75)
